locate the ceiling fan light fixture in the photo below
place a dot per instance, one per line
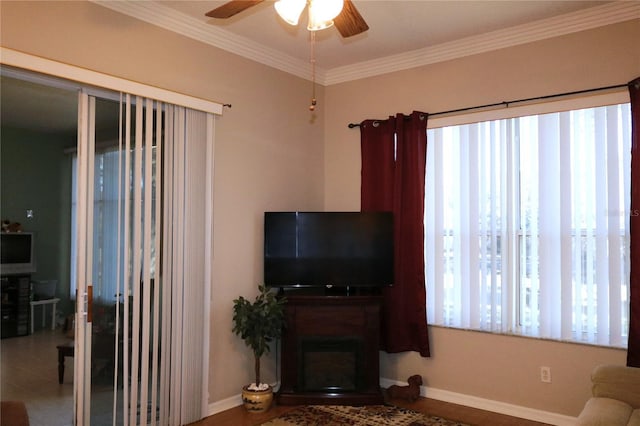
(349, 22)
(290, 10)
(315, 25)
(324, 11)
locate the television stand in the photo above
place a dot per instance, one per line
(15, 305)
(330, 351)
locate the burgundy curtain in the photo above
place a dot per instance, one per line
(393, 171)
(633, 351)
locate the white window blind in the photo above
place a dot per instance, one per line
(526, 225)
(166, 168)
(151, 245)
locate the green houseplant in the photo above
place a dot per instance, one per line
(258, 324)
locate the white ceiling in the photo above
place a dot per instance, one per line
(396, 26)
(402, 34)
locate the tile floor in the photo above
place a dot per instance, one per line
(29, 373)
(29, 368)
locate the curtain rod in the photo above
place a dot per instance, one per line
(506, 104)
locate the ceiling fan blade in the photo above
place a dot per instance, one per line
(231, 8)
(349, 22)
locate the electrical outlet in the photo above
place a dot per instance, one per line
(545, 374)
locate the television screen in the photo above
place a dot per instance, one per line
(311, 249)
(16, 253)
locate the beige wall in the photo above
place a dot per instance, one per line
(500, 368)
(268, 153)
(271, 154)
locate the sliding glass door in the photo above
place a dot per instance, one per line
(84, 259)
(142, 231)
(140, 276)
(96, 267)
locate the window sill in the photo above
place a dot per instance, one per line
(524, 336)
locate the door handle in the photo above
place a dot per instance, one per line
(89, 303)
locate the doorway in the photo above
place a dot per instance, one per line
(39, 138)
(184, 280)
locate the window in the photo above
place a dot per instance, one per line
(106, 205)
(527, 225)
(105, 209)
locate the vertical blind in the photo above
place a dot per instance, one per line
(151, 240)
(166, 173)
(527, 226)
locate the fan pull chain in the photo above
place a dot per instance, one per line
(312, 107)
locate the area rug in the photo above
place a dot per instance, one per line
(369, 415)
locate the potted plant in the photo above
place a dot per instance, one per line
(258, 324)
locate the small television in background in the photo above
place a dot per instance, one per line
(320, 249)
(17, 253)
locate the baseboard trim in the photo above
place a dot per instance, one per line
(225, 404)
(446, 396)
(489, 405)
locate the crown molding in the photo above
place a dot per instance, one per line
(163, 16)
(594, 17)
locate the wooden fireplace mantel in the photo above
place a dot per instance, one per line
(338, 327)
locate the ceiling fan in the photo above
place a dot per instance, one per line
(322, 13)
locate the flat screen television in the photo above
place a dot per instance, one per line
(320, 249)
(17, 253)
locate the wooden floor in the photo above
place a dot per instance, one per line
(238, 416)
